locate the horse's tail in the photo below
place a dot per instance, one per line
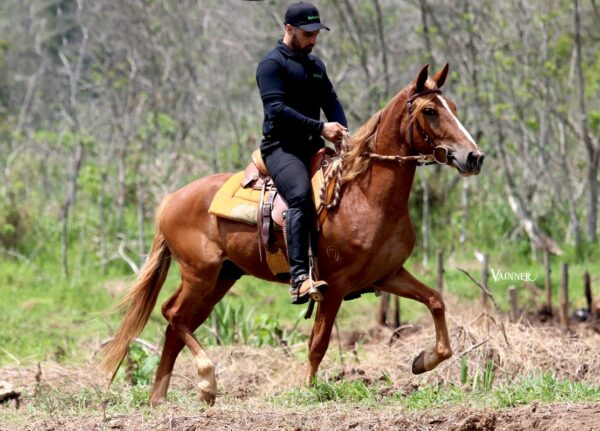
(140, 299)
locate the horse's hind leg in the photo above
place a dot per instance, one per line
(404, 284)
(187, 309)
(172, 346)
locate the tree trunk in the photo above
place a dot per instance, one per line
(68, 203)
(593, 151)
(384, 49)
(426, 35)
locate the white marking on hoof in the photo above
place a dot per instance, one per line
(207, 387)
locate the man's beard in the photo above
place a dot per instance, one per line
(300, 50)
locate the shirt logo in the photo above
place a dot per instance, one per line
(318, 75)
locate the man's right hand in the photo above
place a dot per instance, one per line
(333, 132)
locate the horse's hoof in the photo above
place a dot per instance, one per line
(207, 397)
(418, 366)
(155, 402)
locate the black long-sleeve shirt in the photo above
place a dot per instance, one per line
(294, 88)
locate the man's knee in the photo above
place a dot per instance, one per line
(300, 198)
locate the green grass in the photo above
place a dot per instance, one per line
(542, 387)
(94, 400)
(348, 391)
(45, 315)
(123, 398)
(523, 390)
(48, 316)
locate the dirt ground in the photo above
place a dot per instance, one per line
(553, 417)
(250, 378)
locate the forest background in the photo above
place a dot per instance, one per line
(105, 107)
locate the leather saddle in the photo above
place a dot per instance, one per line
(272, 206)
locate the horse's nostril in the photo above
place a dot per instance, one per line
(472, 161)
(480, 161)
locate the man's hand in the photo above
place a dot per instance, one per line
(333, 132)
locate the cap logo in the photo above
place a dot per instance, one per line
(311, 17)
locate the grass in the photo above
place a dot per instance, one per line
(523, 390)
(542, 387)
(48, 316)
(347, 391)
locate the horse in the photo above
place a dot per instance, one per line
(363, 243)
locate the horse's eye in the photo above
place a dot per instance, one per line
(429, 111)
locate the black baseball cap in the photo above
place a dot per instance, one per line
(305, 16)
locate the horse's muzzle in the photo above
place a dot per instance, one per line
(474, 161)
(467, 162)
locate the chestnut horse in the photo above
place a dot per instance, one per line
(363, 243)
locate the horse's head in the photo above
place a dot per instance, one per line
(433, 127)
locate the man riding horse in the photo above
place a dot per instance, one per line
(294, 87)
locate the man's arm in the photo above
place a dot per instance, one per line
(330, 103)
(270, 84)
(333, 110)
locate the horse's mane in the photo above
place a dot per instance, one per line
(363, 141)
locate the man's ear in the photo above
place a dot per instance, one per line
(289, 29)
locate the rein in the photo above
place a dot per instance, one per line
(421, 159)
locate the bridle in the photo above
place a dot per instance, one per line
(440, 155)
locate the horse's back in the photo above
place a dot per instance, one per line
(185, 219)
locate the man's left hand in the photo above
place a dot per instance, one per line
(333, 132)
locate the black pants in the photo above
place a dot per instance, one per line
(290, 173)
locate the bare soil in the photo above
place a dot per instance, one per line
(552, 417)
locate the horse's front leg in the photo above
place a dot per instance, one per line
(319, 338)
(404, 284)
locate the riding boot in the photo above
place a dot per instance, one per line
(297, 226)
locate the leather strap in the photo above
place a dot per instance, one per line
(266, 220)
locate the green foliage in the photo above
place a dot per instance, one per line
(464, 370)
(345, 391)
(522, 390)
(139, 366)
(233, 324)
(594, 118)
(544, 387)
(15, 223)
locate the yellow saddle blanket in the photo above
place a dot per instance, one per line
(235, 202)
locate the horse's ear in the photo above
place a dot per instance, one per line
(440, 77)
(420, 85)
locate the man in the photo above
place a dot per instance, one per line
(294, 87)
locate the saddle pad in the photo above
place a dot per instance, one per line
(236, 203)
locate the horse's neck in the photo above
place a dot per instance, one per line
(388, 183)
(386, 187)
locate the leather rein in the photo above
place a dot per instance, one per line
(439, 155)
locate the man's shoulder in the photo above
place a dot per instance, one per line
(273, 56)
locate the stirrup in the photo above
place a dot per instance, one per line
(304, 288)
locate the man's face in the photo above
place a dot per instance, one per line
(303, 41)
